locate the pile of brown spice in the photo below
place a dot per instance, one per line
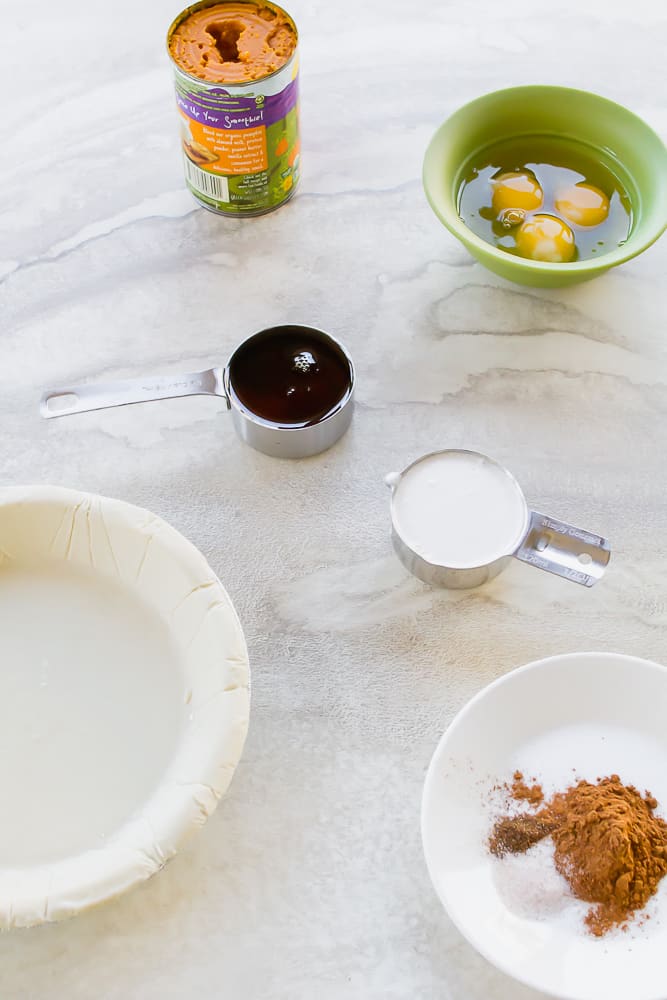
(608, 843)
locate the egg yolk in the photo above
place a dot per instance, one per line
(517, 189)
(583, 204)
(544, 237)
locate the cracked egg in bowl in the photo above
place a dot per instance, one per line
(124, 698)
(548, 186)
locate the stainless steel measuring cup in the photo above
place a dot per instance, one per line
(281, 440)
(543, 541)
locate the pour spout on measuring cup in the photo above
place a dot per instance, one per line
(101, 395)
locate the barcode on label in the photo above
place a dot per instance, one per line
(211, 185)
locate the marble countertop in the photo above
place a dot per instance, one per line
(310, 879)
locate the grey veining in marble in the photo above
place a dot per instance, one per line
(309, 881)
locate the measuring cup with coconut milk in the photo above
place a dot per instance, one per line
(290, 390)
(458, 516)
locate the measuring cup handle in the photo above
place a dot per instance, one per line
(98, 396)
(560, 548)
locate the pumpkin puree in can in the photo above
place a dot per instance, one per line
(236, 68)
(233, 42)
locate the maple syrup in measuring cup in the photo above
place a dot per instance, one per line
(290, 376)
(290, 390)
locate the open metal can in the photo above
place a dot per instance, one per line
(236, 68)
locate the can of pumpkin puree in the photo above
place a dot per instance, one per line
(236, 66)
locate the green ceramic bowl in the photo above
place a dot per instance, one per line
(638, 152)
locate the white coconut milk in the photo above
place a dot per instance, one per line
(459, 509)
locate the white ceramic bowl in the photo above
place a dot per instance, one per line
(581, 714)
(124, 698)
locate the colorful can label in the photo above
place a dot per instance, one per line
(240, 142)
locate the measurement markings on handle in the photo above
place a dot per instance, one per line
(178, 385)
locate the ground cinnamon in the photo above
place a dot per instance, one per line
(516, 834)
(521, 790)
(608, 844)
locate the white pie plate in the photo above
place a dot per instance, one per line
(124, 698)
(581, 714)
